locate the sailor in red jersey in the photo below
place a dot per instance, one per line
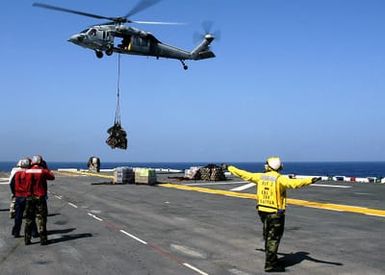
(20, 187)
(37, 202)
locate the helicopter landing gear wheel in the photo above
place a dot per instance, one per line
(185, 67)
(109, 51)
(99, 54)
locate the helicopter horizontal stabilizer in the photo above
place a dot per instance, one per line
(205, 55)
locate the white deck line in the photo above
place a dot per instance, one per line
(243, 187)
(195, 269)
(330, 185)
(95, 217)
(73, 205)
(134, 237)
(214, 183)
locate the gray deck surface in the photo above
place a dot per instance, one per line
(138, 229)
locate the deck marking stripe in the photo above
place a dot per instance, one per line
(374, 215)
(330, 185)
(195, 269)
(318, 205)
(73, 205)
(87, 174)
(56, 196)
(95, 217)
(214, 183)
(243, 187)
(134, 237)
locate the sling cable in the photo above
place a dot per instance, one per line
(117, 135)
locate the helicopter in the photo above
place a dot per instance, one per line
(102, 38)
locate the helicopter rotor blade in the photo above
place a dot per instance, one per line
(141, 5)
(217, 35)
(207, 26)
(207, 29)
(51, 7)
(197, 37)
(157, 23)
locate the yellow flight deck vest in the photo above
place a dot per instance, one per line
(271, 187)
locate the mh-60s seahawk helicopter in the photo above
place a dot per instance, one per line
(101, 38)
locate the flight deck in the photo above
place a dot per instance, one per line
(195, 227)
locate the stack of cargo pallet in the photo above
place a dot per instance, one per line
(217, 174)
(124, 175)
(205, 173)
(145, 176)
(193, 173)
(212, 172)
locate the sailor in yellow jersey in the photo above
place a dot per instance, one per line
(271, 196)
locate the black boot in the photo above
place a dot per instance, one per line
(43, 239)
(275, 268)
(27, 239)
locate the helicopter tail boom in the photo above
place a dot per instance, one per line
(202, 51)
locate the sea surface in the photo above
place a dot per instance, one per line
(350, 169)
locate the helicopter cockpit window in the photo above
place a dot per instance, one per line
(92, 32)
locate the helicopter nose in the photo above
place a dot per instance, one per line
(76, 38)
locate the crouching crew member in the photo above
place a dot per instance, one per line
(37, 202)
(271, 196)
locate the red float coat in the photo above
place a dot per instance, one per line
(39, 177)
(22, 183)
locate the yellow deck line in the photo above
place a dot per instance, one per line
(318, 205)
(85, 173)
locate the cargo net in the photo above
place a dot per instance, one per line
(210, 172)
(117, 135)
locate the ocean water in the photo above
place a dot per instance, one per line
(351, 169)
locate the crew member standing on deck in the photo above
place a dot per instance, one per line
(20, 187)
(12, 186)
(271, 196)
(37, 203)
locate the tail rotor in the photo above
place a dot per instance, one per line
(207, 27)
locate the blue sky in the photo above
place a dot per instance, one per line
(296, 78)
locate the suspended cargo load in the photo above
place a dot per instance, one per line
(118, 137)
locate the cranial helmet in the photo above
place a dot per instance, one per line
(274, 163)
(24, 163)
(37, 159)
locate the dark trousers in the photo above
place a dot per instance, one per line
(20, 204)
(36, 207)
(273, 227)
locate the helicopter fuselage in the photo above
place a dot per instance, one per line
(101, 38)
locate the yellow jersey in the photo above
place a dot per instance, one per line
(271, 187)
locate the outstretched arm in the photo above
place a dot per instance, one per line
(297, 183)
(248, 176)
